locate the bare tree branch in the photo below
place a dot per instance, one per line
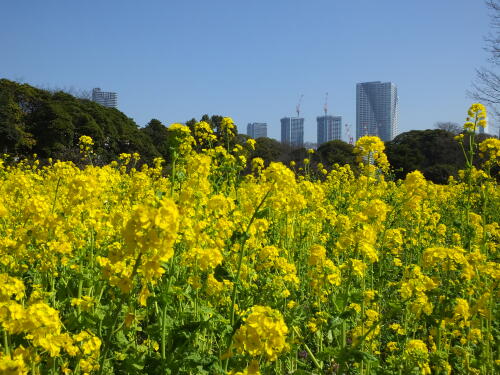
(486, 86)
(77, 93)
(451, 127)
(493, 37)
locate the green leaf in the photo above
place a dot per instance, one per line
(121, 339)
(263, 213)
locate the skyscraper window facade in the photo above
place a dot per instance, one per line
(292, 131)
(257, 130)
(107, 99)
(329, 128)
(377, 110)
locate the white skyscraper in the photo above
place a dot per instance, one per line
(107, 99)
(377, 110)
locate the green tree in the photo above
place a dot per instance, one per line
(335, 151)
(49, 124)
(433, 152)
(53, 129)
(158, 135)
(13, 135)
(269, 150)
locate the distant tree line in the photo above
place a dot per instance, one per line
(49, 124)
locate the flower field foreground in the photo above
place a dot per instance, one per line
(204, 270)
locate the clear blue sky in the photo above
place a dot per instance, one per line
(251, 60)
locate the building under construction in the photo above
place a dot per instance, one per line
(292, 131)
(292, 128)
(329, 128)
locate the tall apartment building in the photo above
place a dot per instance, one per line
(329, 128)
(377, 110)
(257, 130)
(292, 131)
(107, 99)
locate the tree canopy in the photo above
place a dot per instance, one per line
(49, 124)
(434, 152)
(335, 152)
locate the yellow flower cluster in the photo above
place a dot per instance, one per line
(252, 369)
(149, 236)
(227, 126)
(368, 330)
(263, 333)
(414, 286)
(476, 113)
(371, 150)
(105, 269)
(41, 326)
(183, 140)
(448, 259)
(10, 286)
(203, 132)
(490, 148)
(13, 364)
(323, 273)
(86, 144)
(416, 352)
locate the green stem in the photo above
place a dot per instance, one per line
(55, 195)
(242, 251)
(172, 174)
(116, 314)
(309, 352)
(244, 238)
(468, 239)
(313, 358)
(163, 332)
(79, 310)
(6, 342)
(164, 318)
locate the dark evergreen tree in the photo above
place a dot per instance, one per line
(335, 152)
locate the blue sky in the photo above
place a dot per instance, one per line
(251, 60)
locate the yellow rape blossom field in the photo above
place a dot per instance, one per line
(191, 266)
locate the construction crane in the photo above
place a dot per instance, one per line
(348, 133)
(325, 107)
(297, 108)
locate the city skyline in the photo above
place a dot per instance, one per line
(332, 130)
(162, 69)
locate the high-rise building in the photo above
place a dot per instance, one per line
(377, 110)
(292, 131)
(257, 130)
(107, 99)
(329, 128)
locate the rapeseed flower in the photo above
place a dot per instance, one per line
(262, 333)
